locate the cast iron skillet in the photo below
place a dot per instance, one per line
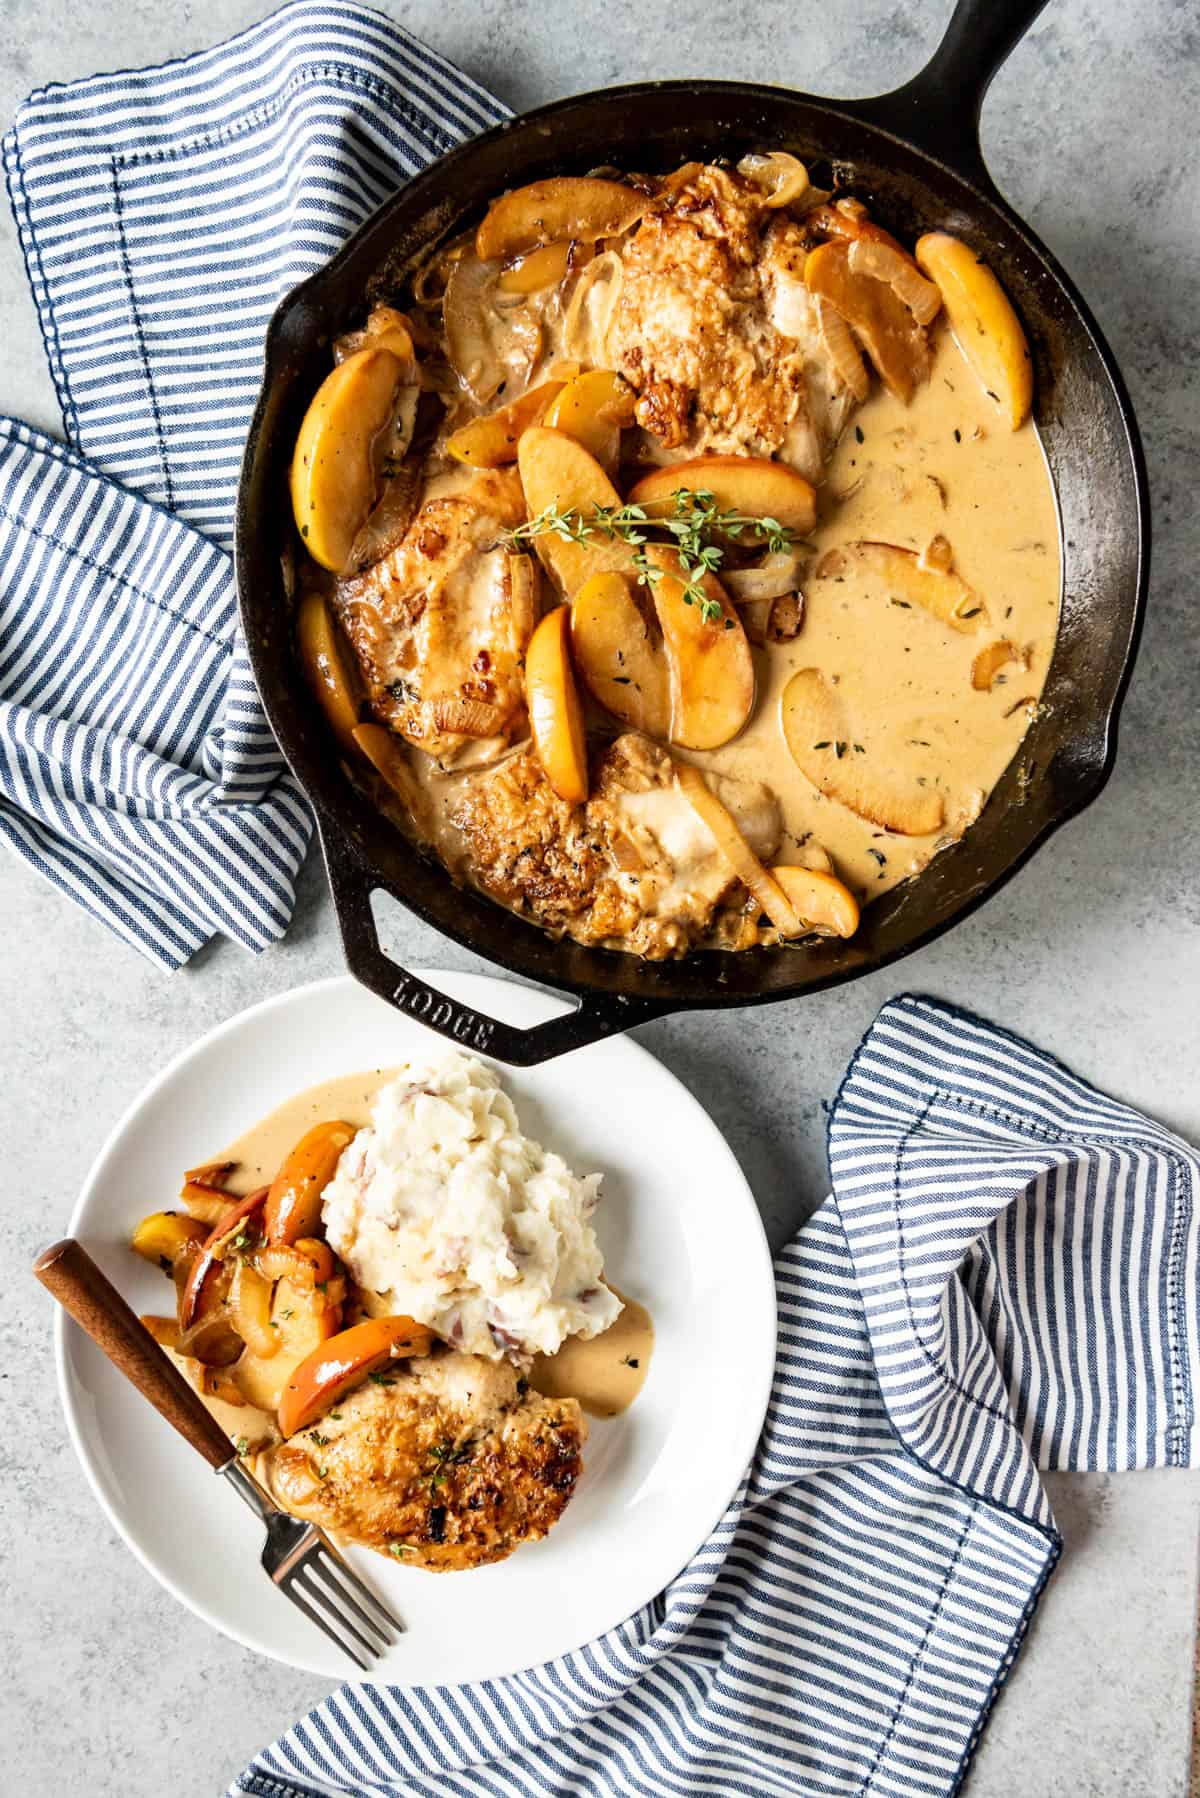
(915, 155)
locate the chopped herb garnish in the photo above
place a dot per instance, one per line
(287, 1314)
(957, 435)
(858, 434)
(839, 749)
(973, 613)
(320, 1285)
(242, 1445)
(321, 1441)
(336, 1416)
(382, 1379)
(859, 750)
(821, 745)
(620, 680)
(879, 856)
(630, 1361)
(400, 1549)
(903, 604)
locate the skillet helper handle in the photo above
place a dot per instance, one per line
(597, 1015)
(938, 110)
(68, 1272)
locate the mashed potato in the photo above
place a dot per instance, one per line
(453, 1216)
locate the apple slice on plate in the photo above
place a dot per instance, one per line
(293, 1204)
(345, 1361)
(618, 648)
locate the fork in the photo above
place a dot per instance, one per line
(299, 1557)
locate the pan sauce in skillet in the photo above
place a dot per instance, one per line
(905, 691)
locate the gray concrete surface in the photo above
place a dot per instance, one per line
(1094, 950)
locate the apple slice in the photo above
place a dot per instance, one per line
(821, 745)
(555, 714)
(163, 1236)
(557, 471)
(618, 648)
(985, 324)
(293, 1207)
(749, 484)
(880, 320)
(576, 209)
(207, 1287)
(301, 1320)
(927, 580)
(821, 901)
(711, 667)
(990, 661)
(594, 408)
(333, 475)
(345, 1361)
(736, 850)
(491, 442)
(328, 666)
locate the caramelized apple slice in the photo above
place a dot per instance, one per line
(301, 1321)
(555, 714)
(990, 661)
(208, 1282)
(328, 666)
(539, 269)
(711, 667)
(748, 484)
(594, 408)
(821, 746)
(618, 648)
(293, 1206)
(927, 580)
(344, 1362)
(880, 320)
(578, 209)
(492, 441)
(557, 471)
(250, 1309)
(821, 901)
(985, 325)
(161, 1237)
(737, 851)
(333, 468)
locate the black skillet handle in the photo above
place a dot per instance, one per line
(938, 110)
(352, 883)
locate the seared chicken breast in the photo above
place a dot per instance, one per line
(439, 626)
(635, 864)
(448, 1463)
(712, 328)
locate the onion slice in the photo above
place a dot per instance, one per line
(783, 178)
(775, 575)
(841, 349)
(590, 310)
(736, 850)
(879, 260)
(472, 355)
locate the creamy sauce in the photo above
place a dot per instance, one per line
(605, 1374)
(902, 676)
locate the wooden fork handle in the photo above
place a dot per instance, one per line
(68, 1271)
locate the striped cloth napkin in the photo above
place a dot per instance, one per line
(1005, 1278)
(163, 215)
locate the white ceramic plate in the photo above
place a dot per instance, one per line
(679, 1229)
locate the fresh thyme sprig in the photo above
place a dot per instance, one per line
(695, 522)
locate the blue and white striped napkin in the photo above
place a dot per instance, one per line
(163, 215)
(1005, 1278)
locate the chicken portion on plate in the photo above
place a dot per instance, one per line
(440, 625)
(446, 1462)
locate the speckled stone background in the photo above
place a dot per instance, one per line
(1094, 950)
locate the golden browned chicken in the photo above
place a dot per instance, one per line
(713, 328)
(440, 625)
(635, 864)
(448, 1464)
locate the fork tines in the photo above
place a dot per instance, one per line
(330, 1594)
